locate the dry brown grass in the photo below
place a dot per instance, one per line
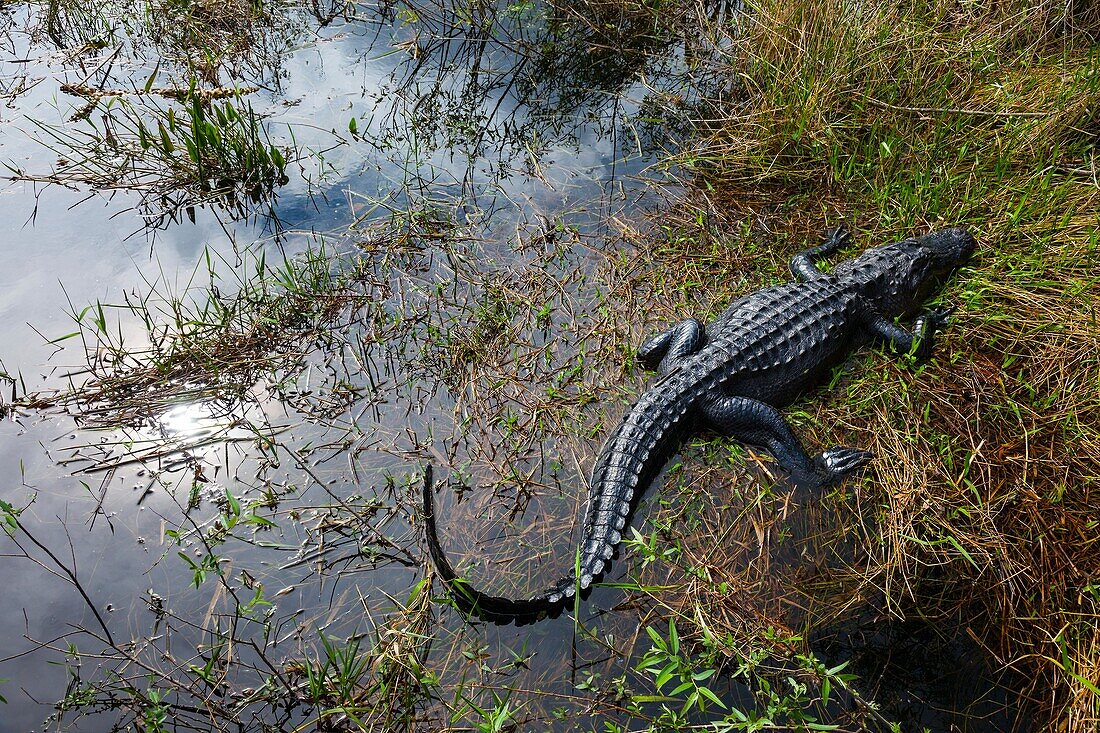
(902, 117)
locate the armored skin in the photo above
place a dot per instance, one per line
(732, 376)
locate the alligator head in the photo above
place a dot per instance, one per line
(898, 278)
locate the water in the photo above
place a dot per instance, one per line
(514, 149)
(477, 127)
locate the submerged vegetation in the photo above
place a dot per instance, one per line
(283, 410)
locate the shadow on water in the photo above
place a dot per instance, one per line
(219, 469)
(924, 675)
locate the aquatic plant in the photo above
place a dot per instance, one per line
(208, 152)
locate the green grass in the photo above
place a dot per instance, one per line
(198, 344)
(176, 157)
(212, 40)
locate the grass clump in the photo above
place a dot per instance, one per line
(324, 674)
(207, 152)
(206, 345)
(375, 686)
(785, 696)
(207, 35)
(212, 40)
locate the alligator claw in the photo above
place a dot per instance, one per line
(836, 239)
(939, 317)
(836, 463)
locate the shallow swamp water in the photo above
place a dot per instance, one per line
(236, 326)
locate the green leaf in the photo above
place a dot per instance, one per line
(165, 140)
(259, 521)
(656, 638)
(962, 551)
(652, 698)
(706, 692)
(234, 505)
(192, 151)
(682, 687)
(415, 592)
(64, 337)
(665, 675)
(152, 78)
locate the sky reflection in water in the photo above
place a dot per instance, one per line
(494, 130)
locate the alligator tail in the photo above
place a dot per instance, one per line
(468, 598)
(629, 460)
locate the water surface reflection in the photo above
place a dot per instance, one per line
(504, 137)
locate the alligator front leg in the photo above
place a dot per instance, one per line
(758, 423)
(804, 264)
(917, 342)
(661, 352)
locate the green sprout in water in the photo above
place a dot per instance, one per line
(177, 158)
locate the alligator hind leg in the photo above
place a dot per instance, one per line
(662, 351)
(804, 264)
(758, 423)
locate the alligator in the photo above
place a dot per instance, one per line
(732, 375)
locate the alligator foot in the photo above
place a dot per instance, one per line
(917, 342)
(804, 264)
(836, 463)
(936, 319)
(835, 239)
(758, 423)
